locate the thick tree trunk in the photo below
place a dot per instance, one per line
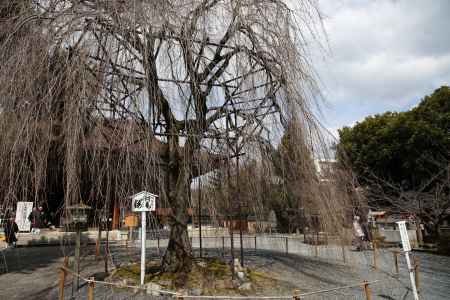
(178, 256)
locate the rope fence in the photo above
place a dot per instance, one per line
(89, 285)
(385, 261)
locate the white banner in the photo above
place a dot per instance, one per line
(23, 211)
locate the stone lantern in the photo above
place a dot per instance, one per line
(78, 217)
(78, 214)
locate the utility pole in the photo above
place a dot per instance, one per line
(200, 212)
(238, 196)
(105, 257)
(229, 199)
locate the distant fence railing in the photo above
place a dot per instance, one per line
(378, 258)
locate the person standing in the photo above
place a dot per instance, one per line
(35, 218)
(11, 229)
(359, 233)
(367, 233)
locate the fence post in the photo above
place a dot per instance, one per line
(367, 290)
(375, 264)
(296, 295)
(97, 248)
(223, 246)
(98, 241)
(159, 253)
(287, 249)
(416, 272)
(316, 249)
(395, 254)
(91, 285)
(255, 243)
(62, 281)
(62, 278)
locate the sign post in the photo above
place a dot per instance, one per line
(143, 238)
(143, 202)
(407, 248)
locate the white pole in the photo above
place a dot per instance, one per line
(407, 248)
(411, 276)
(143, 232)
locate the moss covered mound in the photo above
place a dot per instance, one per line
(209, 276)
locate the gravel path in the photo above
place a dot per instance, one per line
(33, 271)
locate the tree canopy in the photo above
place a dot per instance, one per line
(405, 148)
(102, 99)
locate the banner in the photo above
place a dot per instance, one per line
(23, 211)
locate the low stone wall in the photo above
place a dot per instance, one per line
(393, 236)
(208, 231)
(54, 237)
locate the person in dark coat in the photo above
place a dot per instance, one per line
(11, 229)
(36, 219)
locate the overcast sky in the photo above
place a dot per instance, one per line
(383, 55)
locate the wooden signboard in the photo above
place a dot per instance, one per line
(131, 221)
(143, 201)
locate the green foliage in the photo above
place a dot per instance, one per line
(405, 148)
(294, 166)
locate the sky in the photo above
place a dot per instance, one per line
(380, 55)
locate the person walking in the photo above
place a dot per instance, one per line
(11, 229)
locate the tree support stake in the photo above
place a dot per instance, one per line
(91, 286)
(367, 290)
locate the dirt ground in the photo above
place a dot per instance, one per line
(33, 274)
